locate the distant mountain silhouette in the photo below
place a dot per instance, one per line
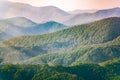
(51, 13)
(90, 17)
(38, 14)
(18, 26)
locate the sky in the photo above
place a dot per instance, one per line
(69, 5)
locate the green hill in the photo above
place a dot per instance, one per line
(94, 42)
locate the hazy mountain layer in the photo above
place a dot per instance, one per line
(51, 13)
(90, 17)
(37, 14)
(82, 11)
(19, 26)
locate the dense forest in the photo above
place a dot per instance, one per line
(109, 70)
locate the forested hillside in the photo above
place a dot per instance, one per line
(94, 42)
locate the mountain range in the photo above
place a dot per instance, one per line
(51, 13)
(37, 14)
(90, 17)
(47, 43)
(94, 42)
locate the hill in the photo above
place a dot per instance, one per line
(44, 28)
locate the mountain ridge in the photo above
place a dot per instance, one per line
(91, 17)
(52, 13)
(25, 10)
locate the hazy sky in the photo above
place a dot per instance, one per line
(74, 4)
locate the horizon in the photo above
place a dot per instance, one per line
(76, 4)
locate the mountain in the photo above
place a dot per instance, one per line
(90, 17)
(37, 14)
(44, 28)
(19, 21)
(83, 43)
(19, 26)
(51, 13)
(82, 11)
(13, 27)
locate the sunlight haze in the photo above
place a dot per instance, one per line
(73, 4)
